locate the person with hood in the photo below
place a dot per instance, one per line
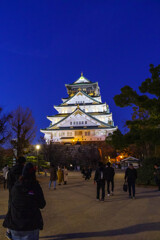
(99, 178)
(110, 178)
(24, 218)
(130, 177)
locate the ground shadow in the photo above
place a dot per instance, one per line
(109, 233)
(127, 198)
(150, 191)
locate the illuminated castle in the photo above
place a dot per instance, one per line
(81, 117)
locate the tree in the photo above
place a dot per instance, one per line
(23, 129)
(6, 157)
(4, 130)
(144, 128)
(117, 140)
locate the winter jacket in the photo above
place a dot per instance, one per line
(131, 175)
(99, 174)
(14, 174)
(60, 175)
(53, 174)
(109, 173)
(24, 211)
(65, 175)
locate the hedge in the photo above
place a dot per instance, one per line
(145, 172)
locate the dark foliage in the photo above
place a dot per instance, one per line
(23, 129)
(145, 172)
(4, 130)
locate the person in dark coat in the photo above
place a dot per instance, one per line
(15, 172)
(110, 178)
(99, 178)
(87, 173)
(130, 177)
(90, 172)
(24, 218)
(13, 175)
(83, 172)
(53, 176)
(157, 175)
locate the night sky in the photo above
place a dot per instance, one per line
(45, 44)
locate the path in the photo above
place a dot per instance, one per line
(73, 213)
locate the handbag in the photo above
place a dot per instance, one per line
(125, 186)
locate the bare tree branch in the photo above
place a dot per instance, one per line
(23, 129)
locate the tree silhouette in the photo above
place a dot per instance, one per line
(23, 129)
(4, 130)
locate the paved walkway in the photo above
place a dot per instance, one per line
(73, 213)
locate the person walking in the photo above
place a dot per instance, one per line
(157, 175)
(83, 172)
(109, 175)
(60, 175)
(13, 175)
(5, 173)
(65, 175)
(99, 178)
(24, 218)
(90, 172)
(130, 177)
(53, 177)
(15, 172)
(87, 173)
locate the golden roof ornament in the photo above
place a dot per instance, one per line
(81, 74)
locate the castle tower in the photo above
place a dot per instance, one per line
(82, 116)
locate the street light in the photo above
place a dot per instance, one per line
(37, 148)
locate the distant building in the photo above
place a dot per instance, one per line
(126, 161)
(81, 117)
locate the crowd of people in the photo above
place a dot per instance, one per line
(105, 174)
(61, 175)
(24, 220)
(86, 172)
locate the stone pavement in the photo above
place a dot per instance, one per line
(72, 212)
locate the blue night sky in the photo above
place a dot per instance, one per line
(45, 44)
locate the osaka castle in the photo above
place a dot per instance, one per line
(82, 116)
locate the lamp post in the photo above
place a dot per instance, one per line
(37, 148)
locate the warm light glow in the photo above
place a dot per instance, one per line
(38, 147)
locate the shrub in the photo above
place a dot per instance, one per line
(145, 173)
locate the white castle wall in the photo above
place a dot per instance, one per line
(85, 108)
